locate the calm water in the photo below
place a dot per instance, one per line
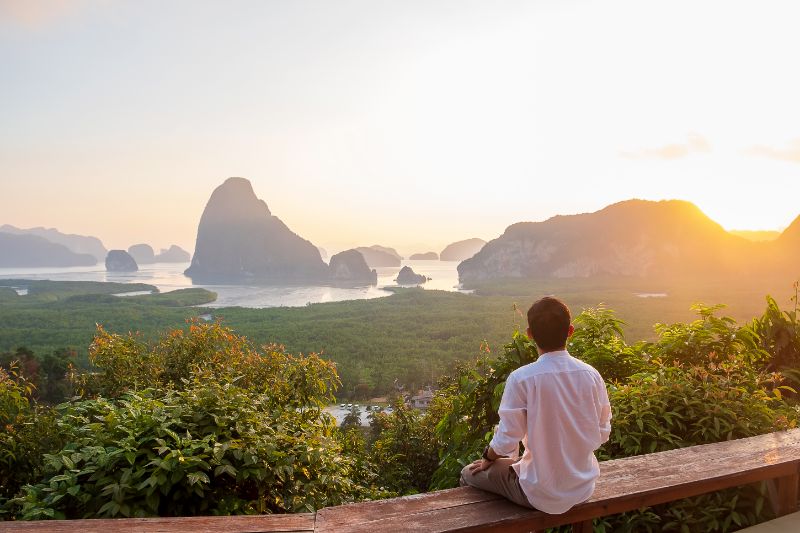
(169, 276)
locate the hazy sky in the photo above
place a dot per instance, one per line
(405, 123)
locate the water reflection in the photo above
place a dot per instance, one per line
(169, 276)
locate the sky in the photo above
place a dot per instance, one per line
(409, 123)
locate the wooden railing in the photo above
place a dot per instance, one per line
(624, 485)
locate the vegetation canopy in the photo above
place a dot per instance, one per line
(202, 421)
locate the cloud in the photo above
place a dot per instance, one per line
(36, 14)
(694, 144)
(790, 153)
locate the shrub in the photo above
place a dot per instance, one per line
(208, 449)
(27, 431)
(406, 453)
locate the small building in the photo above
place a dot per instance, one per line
(422, 399)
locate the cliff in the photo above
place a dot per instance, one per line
(635, 238)
(238, 239)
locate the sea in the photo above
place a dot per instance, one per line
(169, 277)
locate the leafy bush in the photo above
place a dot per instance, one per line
(199, 422)
(779, 333)
(698, 341)
(598, 340)
(208, 449)
(28, 431)
(677, 406)
(405, 454)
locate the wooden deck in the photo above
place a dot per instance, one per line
(624, 485)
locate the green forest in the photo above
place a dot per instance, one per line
(413, 336)
(198, 418)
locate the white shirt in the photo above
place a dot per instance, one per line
(558, 407)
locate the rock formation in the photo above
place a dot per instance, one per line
(380, 256)
(458, 251)
(350, 266)
(120, 261)
(175, 254)
(79, 244)
(238, 239)
(21, 251)
(635, 239)
(427, 256)
(142, 253)
(407, 276)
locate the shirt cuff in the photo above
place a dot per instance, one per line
(504, 446)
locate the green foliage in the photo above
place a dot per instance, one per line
(697, 341)
(406, 452)
(676, 406)
(207, 351)
(199, 422)
(352, 419)
(779, 333)
(212, 448)
(27, 431)
(49, 375)
(598, 340)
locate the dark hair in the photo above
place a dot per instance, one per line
(549, 320)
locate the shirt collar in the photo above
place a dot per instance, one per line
(555, 353)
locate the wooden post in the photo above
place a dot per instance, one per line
(783, 494)
(583, 527)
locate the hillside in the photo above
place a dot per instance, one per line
(79, 244)
(33, 251)
(460, 250)
(633, 239)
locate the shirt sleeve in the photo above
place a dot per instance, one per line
(603, 410)
(513, 420)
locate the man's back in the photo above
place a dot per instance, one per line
(558, 407)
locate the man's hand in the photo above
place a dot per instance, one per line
(479, 466)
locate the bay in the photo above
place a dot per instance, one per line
(169, 276)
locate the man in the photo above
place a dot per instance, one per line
(558, 407)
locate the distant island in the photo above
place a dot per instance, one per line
(350, 266)
(460, 250)
(144, 254)
(78, 244)
(28, 250)
(173, 254)
(239, 239)
(120, 261)
(407, 276)
(632, 239)
(427, 256)
(380, 256)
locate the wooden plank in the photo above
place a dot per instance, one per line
(330, 518)
(285, 523)
(433, 520)
(624, 485)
